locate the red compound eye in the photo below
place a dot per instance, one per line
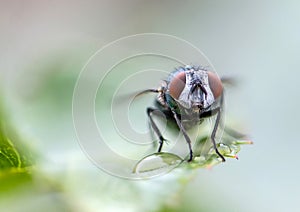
(177, 85)
(215, 84)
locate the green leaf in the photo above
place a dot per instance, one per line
(13, 153)
(205, 156)
(9, 156)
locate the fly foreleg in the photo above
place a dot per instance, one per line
(150, 111)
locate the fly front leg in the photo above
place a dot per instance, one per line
(155, 128)
(213, 134)
(187, 138)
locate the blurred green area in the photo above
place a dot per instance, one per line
(22, 185)
(15, 156)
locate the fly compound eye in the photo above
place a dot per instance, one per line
(215, 84)
(177, 85)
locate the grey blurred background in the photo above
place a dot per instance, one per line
(44, 45)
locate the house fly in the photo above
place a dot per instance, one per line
(188, 96)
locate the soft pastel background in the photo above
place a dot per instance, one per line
(44, 45)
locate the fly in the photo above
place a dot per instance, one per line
(189, 95)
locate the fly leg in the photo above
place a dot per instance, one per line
(155, 128)
(213, 134)
(187, 138)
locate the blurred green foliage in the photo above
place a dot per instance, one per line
(22, 186)
(15, 158)
(14, 155)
